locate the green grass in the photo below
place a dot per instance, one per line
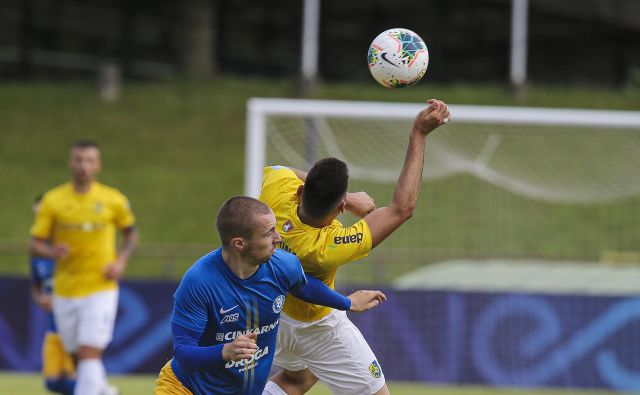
(177, 150)
(31, 384)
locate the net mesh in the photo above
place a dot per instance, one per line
(489, 190)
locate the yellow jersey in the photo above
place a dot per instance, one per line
(321, 250)
(87, 224)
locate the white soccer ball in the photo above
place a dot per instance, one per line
(398, 58)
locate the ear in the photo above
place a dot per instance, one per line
(299, 191)
(342, 206)
(237, 243)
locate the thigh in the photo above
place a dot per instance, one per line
(342, 359)
(66, 312)
(285, 356)
(97, 318)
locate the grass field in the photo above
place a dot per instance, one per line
(31, 384)
(177, 150)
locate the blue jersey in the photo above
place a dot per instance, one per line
(42, 276)
(213, 301)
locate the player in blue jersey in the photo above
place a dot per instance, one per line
(57, 365)
(227, 307)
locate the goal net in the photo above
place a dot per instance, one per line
(499, 182)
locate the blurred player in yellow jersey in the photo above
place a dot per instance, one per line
(57, 365)
(316, 342)
(76, 226)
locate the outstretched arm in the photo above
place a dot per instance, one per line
(384, 220)
(317, 292)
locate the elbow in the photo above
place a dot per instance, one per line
(406, 212)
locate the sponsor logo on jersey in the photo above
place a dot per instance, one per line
(246, 364)
(230, 336)
(230, 318)
(348, 239)
(375, 370)
(287, 226)
(225, 311)
(278, 303)
(86, 227)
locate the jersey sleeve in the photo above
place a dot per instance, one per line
(345, 244)
(189, 306)
(44, 220)
(292, 271)
(124, 217)
(278, 182)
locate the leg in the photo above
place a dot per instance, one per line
(337, 353)
(95, 330)
(55, 366)
(92, 378)
(295, 382)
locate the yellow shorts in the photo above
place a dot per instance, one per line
(56, 362)
(168, 384)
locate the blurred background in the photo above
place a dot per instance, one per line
(523, 274)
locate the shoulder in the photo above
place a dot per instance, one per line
(285, 262)
(202, 269)
(279, 174)
(279, 184)
(58, 192)
(109, 192)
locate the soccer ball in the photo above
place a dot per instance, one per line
(398, 58)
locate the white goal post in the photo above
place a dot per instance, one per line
(260, 109)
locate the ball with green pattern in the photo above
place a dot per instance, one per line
(398, 58)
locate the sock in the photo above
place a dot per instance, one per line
(61, 385)
(91, 377)
(273, 389)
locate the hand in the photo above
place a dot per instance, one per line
(44, 301)
(364, 300)
(360, 204)
(431, 117)
(115, 270)
(60, 251)
(242, 347)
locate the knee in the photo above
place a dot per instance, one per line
(302, 379)
(86, 352)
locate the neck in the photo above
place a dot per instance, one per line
(315, 222)
(237, 265)
(82, 186)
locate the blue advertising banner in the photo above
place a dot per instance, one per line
(142, 336)
(479, 338)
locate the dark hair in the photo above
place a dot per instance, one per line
(85, 143)
(325, 186)
(236, 217)
(38, 198)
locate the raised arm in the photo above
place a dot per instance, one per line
(316, 292)
(384, 220)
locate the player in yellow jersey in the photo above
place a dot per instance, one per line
(315, 342)
(58, 367)
(76, 225)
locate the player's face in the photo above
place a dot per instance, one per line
(265, 239)
(84, 164)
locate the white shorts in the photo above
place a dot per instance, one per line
(86, 321)
(333, 349)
